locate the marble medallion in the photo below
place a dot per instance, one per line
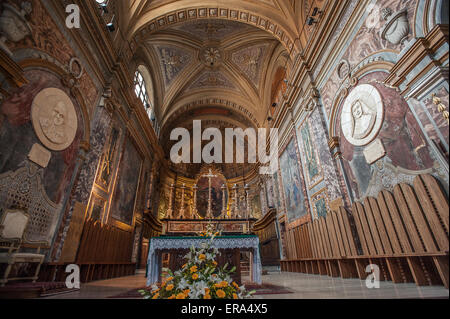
(54, 119)
(362, 115)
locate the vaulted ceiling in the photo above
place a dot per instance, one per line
(218, 61)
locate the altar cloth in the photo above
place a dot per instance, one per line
(229, 242)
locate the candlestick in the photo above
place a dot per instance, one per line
(182, 211)
(169, 210)
(194, 214)
(224, 203)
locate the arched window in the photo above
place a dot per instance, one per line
(144, 91)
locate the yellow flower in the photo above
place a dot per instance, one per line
(220, 293)
(215, 263)
(222, 284)
(156, 296)
(181, 296)
(187, 291)
(194, 269)
(207, 296)
(207, 290)
(202, 257)
(184, 266)
(169, 279)
(169, 287)
(235, 285)
(235, 296)
(195, 276)
(171, 297)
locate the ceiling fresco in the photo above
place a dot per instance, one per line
(172, 61)
(211, 79)
(250, 61)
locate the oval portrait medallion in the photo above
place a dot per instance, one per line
(54, 119)
(362, 115)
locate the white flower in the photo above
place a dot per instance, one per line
(183, 284)
(198, 289)
(216, 279)
(154, 287)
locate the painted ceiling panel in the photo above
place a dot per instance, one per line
(173, 60)
(250, 61)
(211, 79)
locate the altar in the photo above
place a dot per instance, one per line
(159, 245)
(223, 207)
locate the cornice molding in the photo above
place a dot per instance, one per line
(422, 48)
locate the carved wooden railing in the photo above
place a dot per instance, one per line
(404, 233)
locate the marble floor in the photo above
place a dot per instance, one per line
(303, 287)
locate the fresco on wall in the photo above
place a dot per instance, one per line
(366, 42)
(123, 203)
(255, 205)
(321, 208)
(46, 37)
(407, 151)
(292, 185)
(277, 190)
(309, 156)
(320, 203)
(17, 135)
(107, 164)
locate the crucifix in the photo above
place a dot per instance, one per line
(209, 176)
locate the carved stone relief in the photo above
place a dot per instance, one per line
(54, 119)
(396, 29)
(362, 115)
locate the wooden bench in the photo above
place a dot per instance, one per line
(405, 234)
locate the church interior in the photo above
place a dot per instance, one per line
(120, 123)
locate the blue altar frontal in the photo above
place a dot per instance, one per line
(160, 244)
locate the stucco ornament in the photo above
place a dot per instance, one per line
(396, 29)
(362, 115)
(212, 56)
(54, 119)
(13, 24)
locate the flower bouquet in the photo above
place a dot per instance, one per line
(200, 277)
